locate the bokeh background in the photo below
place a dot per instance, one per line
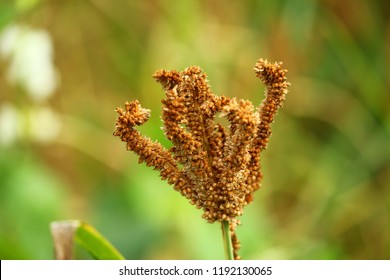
(66, 65)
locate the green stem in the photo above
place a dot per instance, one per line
(227, 240)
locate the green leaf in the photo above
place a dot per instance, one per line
(95, 243)
(67, 233)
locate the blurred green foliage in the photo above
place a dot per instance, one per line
(326, 190)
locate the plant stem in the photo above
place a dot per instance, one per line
(227, 240)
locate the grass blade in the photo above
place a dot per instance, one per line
(95, 243)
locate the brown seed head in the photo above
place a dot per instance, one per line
(216, 168)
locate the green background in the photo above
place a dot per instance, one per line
(326, 187)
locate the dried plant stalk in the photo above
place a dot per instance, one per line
(63, 235)
(216, 168)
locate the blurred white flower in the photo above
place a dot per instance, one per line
(39, 124)
(8, 40)
(30, 52)
(10, 124)
(44, 124)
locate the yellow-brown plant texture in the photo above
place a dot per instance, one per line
(216, 168)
